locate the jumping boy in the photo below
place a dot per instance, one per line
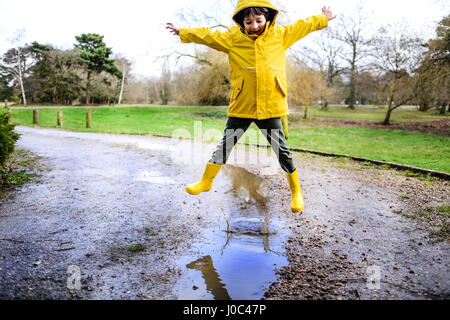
(256, 47)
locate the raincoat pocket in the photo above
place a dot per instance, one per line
(237, 88)
(281, 86)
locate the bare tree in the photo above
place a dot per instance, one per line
(397, 53)
(164, 89)
(205, 83)
(433, 75)
(351, 31)
(125, 66)
(18, 38)
(17, 67)
(325, 55)
(122, 84)
(306, 85)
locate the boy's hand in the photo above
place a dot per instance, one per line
(175, 31)
(327, 11)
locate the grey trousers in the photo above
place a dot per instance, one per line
(272, 129)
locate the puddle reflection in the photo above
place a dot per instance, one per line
(240, 270)
(237, 262)
(212, 280)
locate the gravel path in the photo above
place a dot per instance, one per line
(366, 233)
(112, 209)
(109, 209)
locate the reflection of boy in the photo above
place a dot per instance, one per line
(256, 48)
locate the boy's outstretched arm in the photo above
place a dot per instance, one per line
(217, 40)
(296, 31)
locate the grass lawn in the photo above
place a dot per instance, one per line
(413, 148)
(375, 113)
(427, 151)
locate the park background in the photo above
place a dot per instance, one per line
(375, 84)
(109, 199)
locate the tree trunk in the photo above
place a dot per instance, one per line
(88, 89)
(54, 94)
(443, 108)
(351, 102)
(21, 79)
(388, 117)
(325, 106)
(121, 87)
(353, 81)
(390, 109)
(9, 115)
(423, 107)
(306, 112)
(34, 98)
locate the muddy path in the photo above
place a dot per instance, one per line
(367, 233)
(111, 213)
(109, 219)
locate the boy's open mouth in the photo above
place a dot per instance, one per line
(259, 32)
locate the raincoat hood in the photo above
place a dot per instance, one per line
(244, 4)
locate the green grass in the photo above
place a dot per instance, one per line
(406, 147)
(151, 120)
(443, 209)
(374, 113)
(425, 213)
(18, 171)
(136, 247)
(436, 218)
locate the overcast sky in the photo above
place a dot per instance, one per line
(135, 28)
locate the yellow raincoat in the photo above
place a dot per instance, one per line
(258, 64)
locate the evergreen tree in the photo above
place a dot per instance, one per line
(95, 55)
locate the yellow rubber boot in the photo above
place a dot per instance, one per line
(205, 184)
(297, 203)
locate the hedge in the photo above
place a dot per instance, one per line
(8, 139)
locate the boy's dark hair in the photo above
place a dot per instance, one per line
(256, 11)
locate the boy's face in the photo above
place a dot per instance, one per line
(255, 24)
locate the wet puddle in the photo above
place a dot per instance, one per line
(237, 258)
(153, 177)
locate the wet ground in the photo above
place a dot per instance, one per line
(366, 233)
(111, 212)
(110, 219)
